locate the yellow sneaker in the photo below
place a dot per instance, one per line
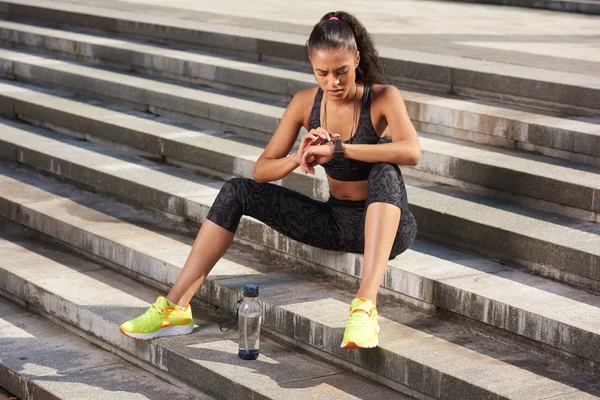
(163, 318)
(362, 330)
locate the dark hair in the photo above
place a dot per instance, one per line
(348, 33)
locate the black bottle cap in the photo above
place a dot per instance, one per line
(251, 291)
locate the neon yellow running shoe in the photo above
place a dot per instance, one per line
(163, 318)
(362, 330)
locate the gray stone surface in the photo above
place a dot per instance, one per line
(434, 27)
(458, 284)
(476, 76)
(201, 104)
(7, 308)
(537, 177)
(513, 172)
(543, 131)
(417, 274)
(489, 124)
(536, 243)
(417, 349)
(414, 274)
(98, 302)
(43, 360)
(591, 7)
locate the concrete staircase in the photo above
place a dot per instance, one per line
(42, 360)
(496, 299)
(86, 297)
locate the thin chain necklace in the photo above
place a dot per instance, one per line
(324, 124)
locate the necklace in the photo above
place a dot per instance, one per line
(324, 124)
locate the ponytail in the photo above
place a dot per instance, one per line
(343, 30)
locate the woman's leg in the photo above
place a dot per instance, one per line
(291, 213)
(164, 318)
(389, 227)
(381, 225)
(211, 243)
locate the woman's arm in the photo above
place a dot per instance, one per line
(405, 148)
(275, 163)
(272, 169)
(401, 153)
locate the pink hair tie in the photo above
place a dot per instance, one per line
(334, 19)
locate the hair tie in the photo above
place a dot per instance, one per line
(334, 19)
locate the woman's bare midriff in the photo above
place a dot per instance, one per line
(347, 190)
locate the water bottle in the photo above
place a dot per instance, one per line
(250, 319)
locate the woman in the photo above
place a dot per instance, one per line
(359, 131)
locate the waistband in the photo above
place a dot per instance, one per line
(346, 203)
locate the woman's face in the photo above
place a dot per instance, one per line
(335, 71)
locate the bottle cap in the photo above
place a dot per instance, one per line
(251, 291)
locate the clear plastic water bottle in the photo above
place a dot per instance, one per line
(250, 320)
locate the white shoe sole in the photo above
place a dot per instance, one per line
(169, 331)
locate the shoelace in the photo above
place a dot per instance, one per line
(356, 320)
(151, 312)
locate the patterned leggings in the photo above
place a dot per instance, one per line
(332, 225)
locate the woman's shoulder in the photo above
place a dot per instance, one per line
(384, 95)
(305, 95)
(384, 91)
(303, 100)
(301, 104)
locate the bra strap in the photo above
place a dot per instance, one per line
(314, 120)
(366, 101)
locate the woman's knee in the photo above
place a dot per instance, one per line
(385, 174)
(386, 185)
(235, 189)
(233, 194)
(238, 182)
(229, 206)
(382, 168)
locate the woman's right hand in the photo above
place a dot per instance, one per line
(312, 138)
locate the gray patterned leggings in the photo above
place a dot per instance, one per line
(332, 225)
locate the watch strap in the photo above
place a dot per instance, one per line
(338, 152)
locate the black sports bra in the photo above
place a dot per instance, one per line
(354, 170)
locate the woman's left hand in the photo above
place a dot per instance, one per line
(316, 155)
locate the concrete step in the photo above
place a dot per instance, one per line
(570, 92)
(427, 276)
(591, 7)
(43, 359)
(562, 187)
(435, 357)
(556, 186)
(202, 107)
(259, 79)
(492, 124)
(95, 300)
